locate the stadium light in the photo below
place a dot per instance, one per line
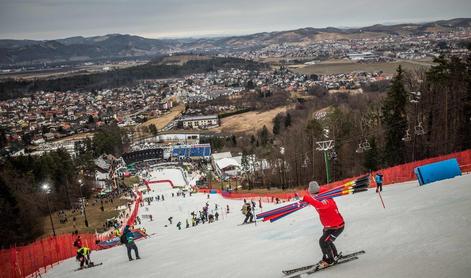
(82, 201)
(46, 188)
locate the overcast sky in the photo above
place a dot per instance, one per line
(50, 19)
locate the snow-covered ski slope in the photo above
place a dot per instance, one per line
(423, 232)
(173, 174)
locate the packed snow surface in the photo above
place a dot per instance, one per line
(176, 175)
(423, 232)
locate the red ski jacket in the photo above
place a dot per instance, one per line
(328, 212)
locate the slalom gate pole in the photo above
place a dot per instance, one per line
(381, 198)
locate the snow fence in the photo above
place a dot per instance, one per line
(39, 256)
(396, 174)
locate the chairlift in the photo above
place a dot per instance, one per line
(366, 145)
(306, 162)
(332, 155)
(419, 129)
(359, 149)
(407, 137)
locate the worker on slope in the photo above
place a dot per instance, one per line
(331, 220)
(128, 239)
(83, 256)
(116, 231)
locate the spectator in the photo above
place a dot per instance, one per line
(379, 182)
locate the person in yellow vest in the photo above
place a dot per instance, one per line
(117, 232)
(83, 256)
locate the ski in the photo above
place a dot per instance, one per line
(354, 254)
(90, 266)
(242, 224)
(341, 257)
(316, 269)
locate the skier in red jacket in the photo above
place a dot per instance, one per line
(331, 220)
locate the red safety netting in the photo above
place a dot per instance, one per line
(137, 203)
(396, 174)
(405, 172)
(39, 256)
(146, 182)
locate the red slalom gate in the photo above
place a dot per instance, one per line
(147, 183)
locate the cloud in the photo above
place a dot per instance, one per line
(46, 19)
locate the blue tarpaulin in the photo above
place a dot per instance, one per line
(437, 171)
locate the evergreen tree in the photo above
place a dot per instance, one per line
(395, 120)
(264, 136)
(153, 129)
(108, 140)
(20, 222)
(234, 140)
(253, 139)
(288, 120)
(276, 125)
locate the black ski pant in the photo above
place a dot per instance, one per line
(248, 216)
(132, 246)
(327, 243)
(83, 259)
(379, 187)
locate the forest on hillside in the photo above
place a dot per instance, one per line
(423, 113)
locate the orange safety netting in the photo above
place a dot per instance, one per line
(42, 254)
(396, 174)
(39, 256)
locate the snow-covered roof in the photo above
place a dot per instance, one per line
(227, 162)
(101, 176)
(217, 156)
(101, 163)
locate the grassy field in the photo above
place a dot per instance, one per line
(345, 66)
(182, 59)
(96, 218)
(164, 120)
(58, 73)
(249, 122)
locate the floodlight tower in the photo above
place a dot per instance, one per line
(46, 188)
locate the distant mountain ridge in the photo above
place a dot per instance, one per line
(118, 46)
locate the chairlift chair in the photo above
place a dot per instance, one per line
(366, 145)
(306, 162)
(407, 137)
(332, 155)
(359, 149)
(419, 129)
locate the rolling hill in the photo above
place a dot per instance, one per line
(118, 46)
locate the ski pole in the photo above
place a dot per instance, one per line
(381, 198)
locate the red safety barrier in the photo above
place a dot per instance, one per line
(146, 182)
(39, 256)
(396, 174)
(133, 215)
(42, 254)
(405, 172)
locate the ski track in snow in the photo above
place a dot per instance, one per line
(423, 232)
